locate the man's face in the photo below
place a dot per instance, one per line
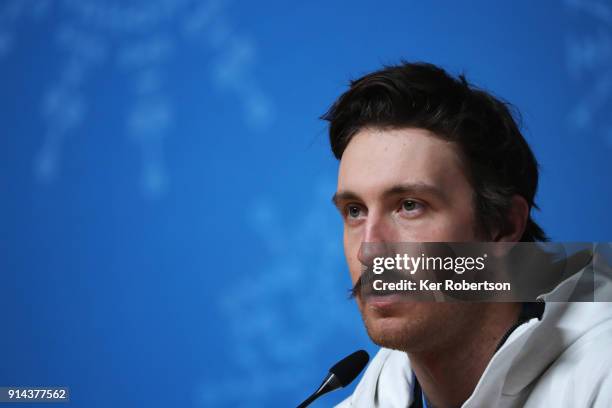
(405, 185)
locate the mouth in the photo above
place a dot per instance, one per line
(383, 302)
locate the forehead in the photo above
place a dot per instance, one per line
(378, 159)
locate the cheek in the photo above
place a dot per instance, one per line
(457, 226)
(351, 251)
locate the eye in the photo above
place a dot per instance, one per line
(353, 211)
(411, 206)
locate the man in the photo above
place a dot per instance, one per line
(425, 157)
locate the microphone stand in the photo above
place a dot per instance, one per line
(330, 383)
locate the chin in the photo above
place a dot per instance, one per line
(406, 329)
(409, 326)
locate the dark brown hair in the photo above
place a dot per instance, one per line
(420, 95)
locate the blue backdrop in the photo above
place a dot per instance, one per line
(166, 232)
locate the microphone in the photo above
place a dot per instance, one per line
(340, 375)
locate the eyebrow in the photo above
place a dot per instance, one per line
(399, 189)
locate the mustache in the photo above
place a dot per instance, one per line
(355, 291)
(366, 279)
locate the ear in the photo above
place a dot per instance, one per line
(516, 221)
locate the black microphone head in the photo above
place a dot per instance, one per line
(347, 369)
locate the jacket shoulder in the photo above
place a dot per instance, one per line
(581, 375)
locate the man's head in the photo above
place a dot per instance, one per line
(427, 157)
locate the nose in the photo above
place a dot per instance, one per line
(377, 234)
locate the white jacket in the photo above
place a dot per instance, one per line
(562, 360)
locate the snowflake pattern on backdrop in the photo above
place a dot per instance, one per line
(283, 315)
(136, 38)
(589, 64)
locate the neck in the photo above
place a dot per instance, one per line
(448, 373)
